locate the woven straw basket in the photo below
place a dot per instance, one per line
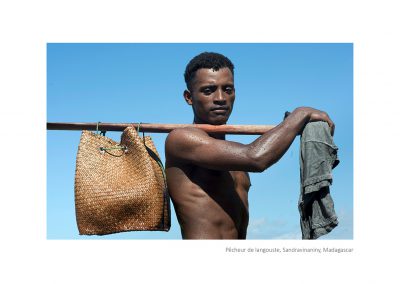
(120, 187)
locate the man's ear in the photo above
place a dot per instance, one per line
(188, 97)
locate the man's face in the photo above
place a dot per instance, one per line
(212, 96)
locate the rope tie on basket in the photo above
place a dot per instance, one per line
(137, 130)
(163, 171)
(138, 127)
(105, 149)
(154, 156)
(97, 128)
(102, 132)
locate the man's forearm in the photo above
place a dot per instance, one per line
(271, 146)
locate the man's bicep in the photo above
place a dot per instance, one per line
(196, 147)
(181, 143)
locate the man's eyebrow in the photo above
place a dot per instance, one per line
(208, 86)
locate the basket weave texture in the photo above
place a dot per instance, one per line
(117, 189)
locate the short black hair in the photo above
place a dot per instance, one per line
(208, 60)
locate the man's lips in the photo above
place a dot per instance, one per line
(220, 109)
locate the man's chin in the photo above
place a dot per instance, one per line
(214, 120)
(219, 121)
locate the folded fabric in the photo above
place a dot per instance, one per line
(318, 156)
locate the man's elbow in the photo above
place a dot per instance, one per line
(260, 163)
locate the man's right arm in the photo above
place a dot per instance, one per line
(270, 147)
(194, 146)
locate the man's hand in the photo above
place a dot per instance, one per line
(312, 114)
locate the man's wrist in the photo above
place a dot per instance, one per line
(303, 114)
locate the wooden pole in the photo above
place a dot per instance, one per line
(161, 128)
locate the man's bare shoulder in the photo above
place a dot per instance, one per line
(184, 137)
(186, 132)
(181, 144)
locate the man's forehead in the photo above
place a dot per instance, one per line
(205, 75)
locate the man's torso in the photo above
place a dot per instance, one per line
(209, 204)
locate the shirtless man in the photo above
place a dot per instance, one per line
(208, 176)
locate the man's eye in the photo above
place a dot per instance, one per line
(208, 90)
(229, 90)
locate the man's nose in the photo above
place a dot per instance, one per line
(219, 96)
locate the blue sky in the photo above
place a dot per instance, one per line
(144, 83)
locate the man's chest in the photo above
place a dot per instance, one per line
(241, 180)
(233, 180)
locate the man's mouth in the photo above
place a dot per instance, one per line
(221, 110)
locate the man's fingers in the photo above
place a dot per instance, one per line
(331, 126)
(330, 123)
